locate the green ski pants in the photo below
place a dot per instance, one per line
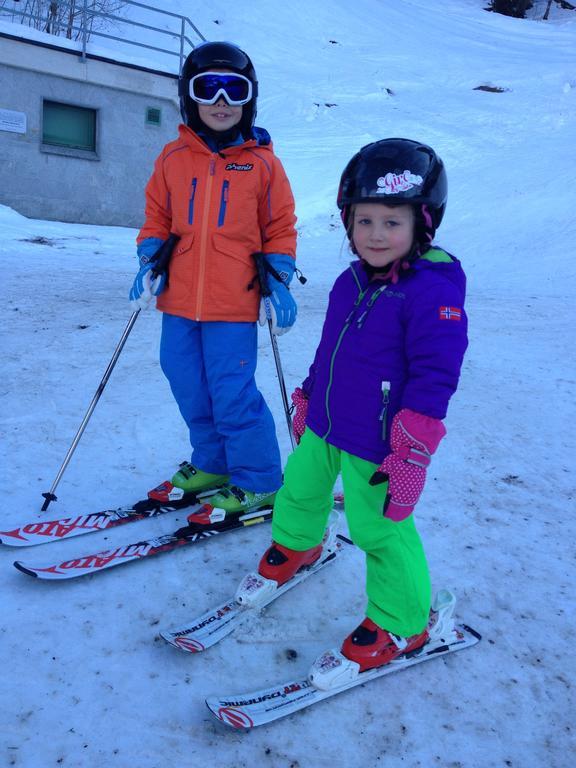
(397, 578)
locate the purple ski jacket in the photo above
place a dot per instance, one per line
(385, 347)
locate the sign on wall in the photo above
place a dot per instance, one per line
(15, 122)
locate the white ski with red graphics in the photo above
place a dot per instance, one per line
(332, 673)
(162, 499)
(207, 523)
(253, 594)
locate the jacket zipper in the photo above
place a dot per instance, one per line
(191, 201)
(336, 348)
(364, 315)
(385, 403)
(359, 323)
(203, 236)
(223, 202)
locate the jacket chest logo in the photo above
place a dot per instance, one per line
(237, 167)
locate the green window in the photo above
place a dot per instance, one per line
(64, 125)
(153, 116)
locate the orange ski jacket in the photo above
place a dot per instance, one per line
(225, 206)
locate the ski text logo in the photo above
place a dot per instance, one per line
(393, 183)
(60, 528)
(220, 613)
(276, 693)
(105, 559)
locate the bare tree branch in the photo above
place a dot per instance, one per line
(64, 17)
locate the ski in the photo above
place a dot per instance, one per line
(209, 522)
(248, 710)
(162, 499)
(43, 531)
(252, 595)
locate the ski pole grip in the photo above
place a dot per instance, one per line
(262, 273)
(163, 254)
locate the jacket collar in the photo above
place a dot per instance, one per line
(191, 139)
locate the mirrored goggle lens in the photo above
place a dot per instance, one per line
(207, 88)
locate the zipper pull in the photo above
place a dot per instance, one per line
(385, 403)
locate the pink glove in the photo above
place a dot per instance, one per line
(414, 439)
(299, 419)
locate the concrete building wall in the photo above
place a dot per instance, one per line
(104, 187)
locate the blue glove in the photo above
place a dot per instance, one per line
(280, 308)
(145, 285)
(148, 249)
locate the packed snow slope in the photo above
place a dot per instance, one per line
(85, 681)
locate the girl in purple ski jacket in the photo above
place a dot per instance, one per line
(372, 405)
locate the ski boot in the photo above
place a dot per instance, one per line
(188, 479)
(234, 500)
(279, 564)
(370, 647)
(192, 480)
(230, 501)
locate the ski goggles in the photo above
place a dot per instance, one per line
(207, 87)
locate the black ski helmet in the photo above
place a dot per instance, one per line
(397, 172)
(217, 55)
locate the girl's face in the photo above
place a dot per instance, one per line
(381, 233)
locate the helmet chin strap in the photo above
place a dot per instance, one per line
(389, 272)
(393, 270)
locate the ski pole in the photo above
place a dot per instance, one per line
(262, 273)
(162, 257)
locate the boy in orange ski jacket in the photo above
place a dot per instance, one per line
(221, 188)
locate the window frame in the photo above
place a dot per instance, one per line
(60, 149)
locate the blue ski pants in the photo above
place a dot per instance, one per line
(211, 369)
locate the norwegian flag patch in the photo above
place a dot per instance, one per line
(450, 313)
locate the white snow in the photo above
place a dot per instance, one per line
(85, 681)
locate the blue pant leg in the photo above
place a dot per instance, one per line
(181, 359)
(241, 415)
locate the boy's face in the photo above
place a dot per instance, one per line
(381, 233)
(220, 116)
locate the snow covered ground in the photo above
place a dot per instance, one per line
(85, 681)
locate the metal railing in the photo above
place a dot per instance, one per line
(85, 30)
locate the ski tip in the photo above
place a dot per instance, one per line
(182, 643)
(13, 539)
(21, 567)
(231, 716)
(473, 632)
